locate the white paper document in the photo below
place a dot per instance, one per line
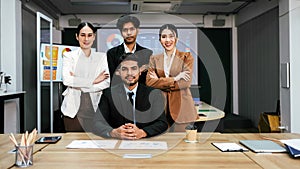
(103, 144)
(138, 145)
(229, 147)
(295, 143)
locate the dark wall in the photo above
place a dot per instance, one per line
(258, 65)
(68, 37)
(220, 39)
(29, 68)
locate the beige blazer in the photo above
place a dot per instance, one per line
(178, 94)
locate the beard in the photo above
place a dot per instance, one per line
(131, 83)
(129, 40)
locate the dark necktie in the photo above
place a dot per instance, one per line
(130, 94)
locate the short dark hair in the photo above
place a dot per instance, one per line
(83, 24)
(129, 56)
(170, 27)
(126, 19)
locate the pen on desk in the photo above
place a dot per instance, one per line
(207, 110)
(237, 150)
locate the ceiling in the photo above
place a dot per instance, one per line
(71, 7)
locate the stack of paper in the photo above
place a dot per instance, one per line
(293, 146)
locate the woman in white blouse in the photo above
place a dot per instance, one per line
(86, 74)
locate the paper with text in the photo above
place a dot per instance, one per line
(153, 145)
(103, 144)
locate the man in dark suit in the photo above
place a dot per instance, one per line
(129, 29)
(130, 117)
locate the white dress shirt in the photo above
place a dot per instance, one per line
(127, 50)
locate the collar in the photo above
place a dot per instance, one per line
(133, 90)
(173, 54)
(127, 49)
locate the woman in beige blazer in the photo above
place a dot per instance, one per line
(171, 72)
(86, 74)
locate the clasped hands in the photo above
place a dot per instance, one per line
(128, 131)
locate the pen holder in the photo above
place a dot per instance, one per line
(24, 156)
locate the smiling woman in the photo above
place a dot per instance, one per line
(86, 74)
(171, 71)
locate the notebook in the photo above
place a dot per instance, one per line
(229, 147)
(262, 146)
(292, 151)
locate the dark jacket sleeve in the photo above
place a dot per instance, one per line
(111, 61)
(159, 125)
(101, 126)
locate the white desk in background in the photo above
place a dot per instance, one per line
(12, 95)
(209, 112)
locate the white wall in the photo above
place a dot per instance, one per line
(11, 51)
(289, 14)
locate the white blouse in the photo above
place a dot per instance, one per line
(167, 66)
(85, 70)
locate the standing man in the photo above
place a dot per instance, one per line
(129, 28)
(130, 110)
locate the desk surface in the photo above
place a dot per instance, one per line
(11, 93)
(179, 155)
(7, 159)
(210, 112)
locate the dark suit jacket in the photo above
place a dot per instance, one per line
(113, 59)
(115, 110)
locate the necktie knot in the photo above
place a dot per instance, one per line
(130, 94)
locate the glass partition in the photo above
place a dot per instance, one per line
(44, 35)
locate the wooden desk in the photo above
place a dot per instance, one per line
(275, 160)
(7, 160)
(179, 154)
(8, 96)
(210, 112)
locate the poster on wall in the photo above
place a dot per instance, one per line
(57, 56)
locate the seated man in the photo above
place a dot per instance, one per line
(122, 116)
